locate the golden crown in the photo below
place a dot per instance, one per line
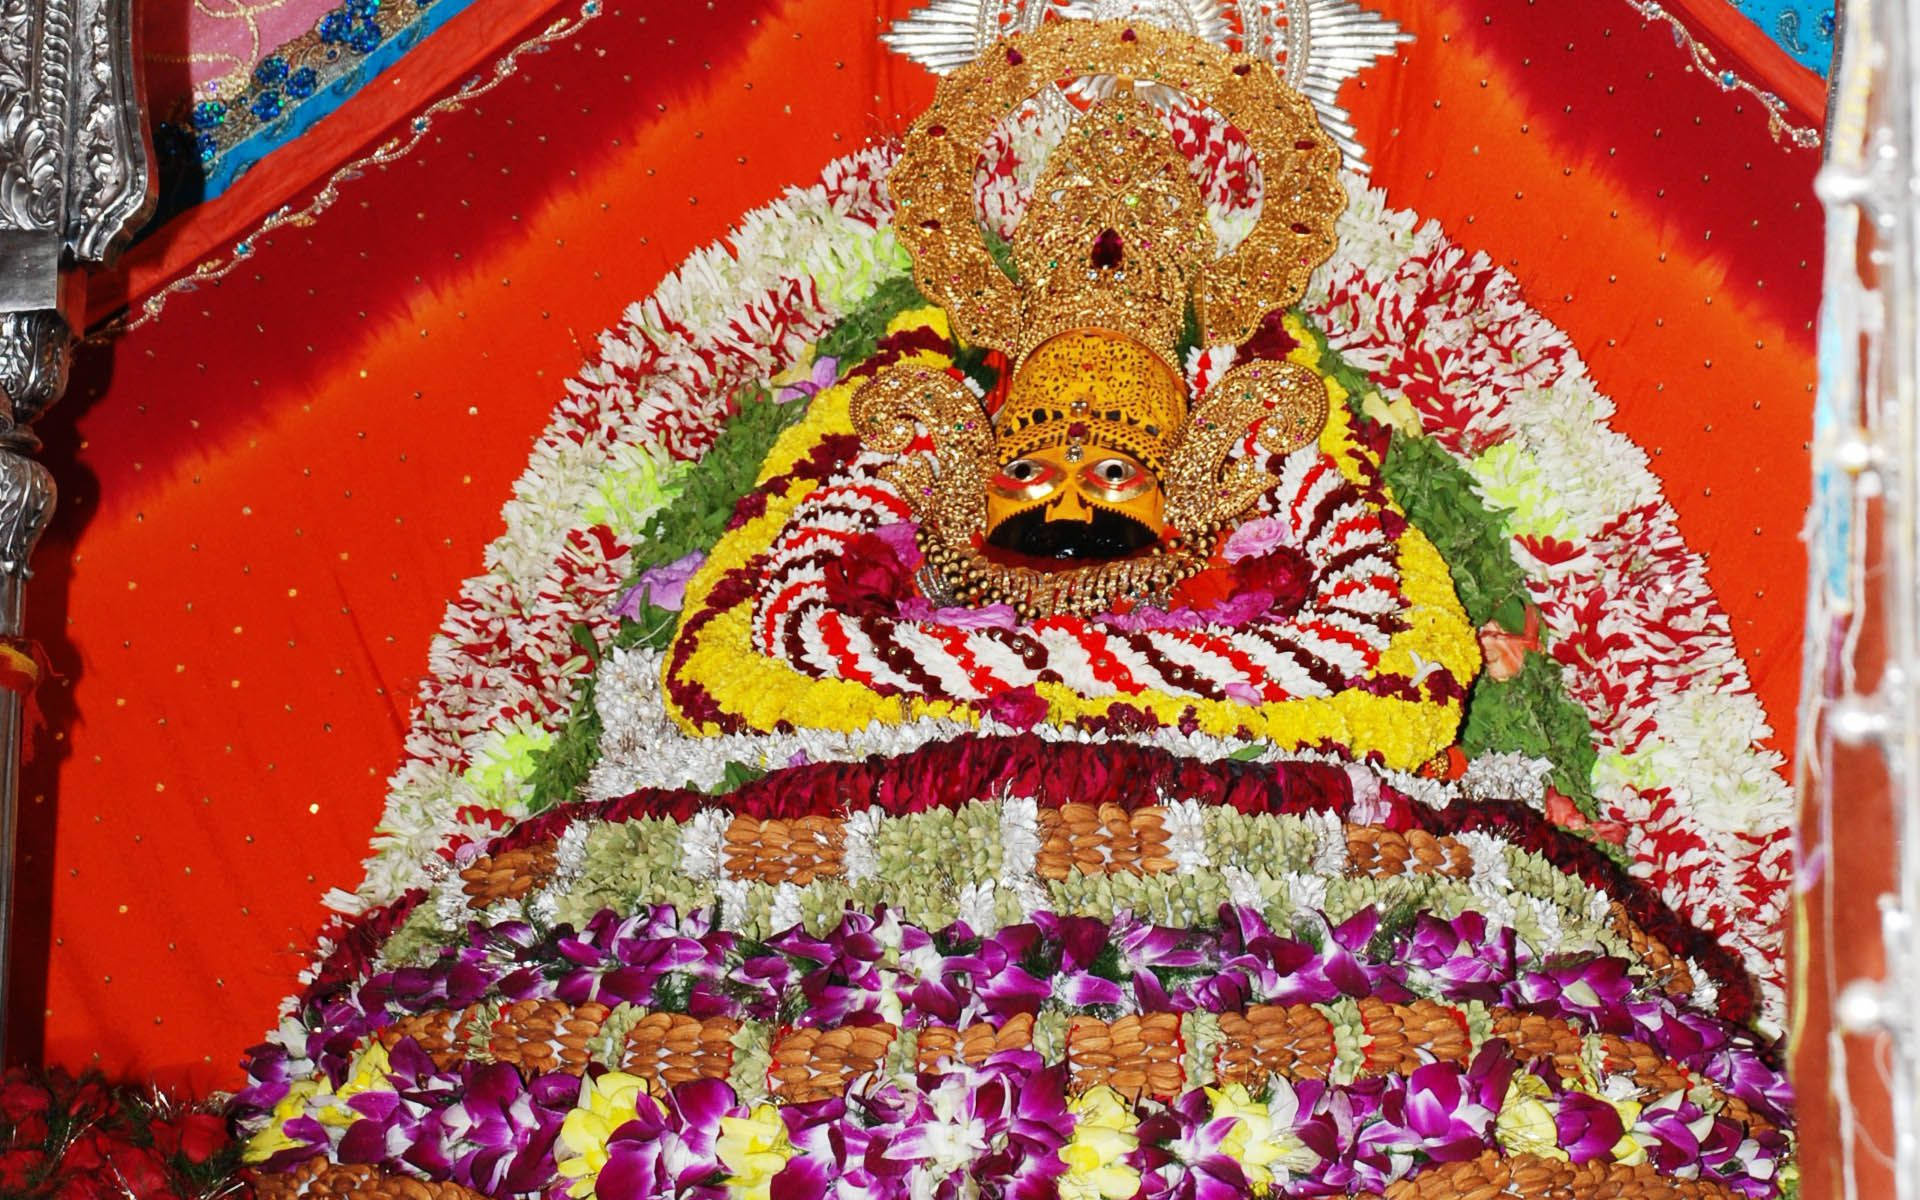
(1113, 254)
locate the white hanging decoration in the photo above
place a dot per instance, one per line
(1317, 44)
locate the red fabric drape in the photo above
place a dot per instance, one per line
(270, 493)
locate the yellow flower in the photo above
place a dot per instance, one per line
(368, 1073)
(1525, 1124)
(753, 1149)
(913, 318)
(1396, 412)
(801, 369)
(272, 1138)
(1628, 1152)
(605, 1105)
(1102, 1137)
(1255, 1143)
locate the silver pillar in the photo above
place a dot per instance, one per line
(75, 182)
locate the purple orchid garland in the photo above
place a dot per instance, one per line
(997, 1129)
(658, 959)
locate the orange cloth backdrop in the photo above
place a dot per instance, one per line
(270, 492)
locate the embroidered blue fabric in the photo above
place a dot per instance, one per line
(1803, 28)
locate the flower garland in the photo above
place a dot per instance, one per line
(877, 968)
(1173, 837)
(476, 1030)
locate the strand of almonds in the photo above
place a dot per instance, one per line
(673, 1048)
(811, 1063)
(1135, 1055)
(318, 1179)
(508, 875)
(974, 1043)
(1531, 1177)
(1672, 971)
(776, 851)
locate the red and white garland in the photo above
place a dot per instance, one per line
(1337, 634)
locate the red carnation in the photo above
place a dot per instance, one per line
(868, 579)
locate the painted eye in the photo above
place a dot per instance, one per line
(1115, 472)
(1026, 479)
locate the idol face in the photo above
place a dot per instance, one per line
(1082, 503)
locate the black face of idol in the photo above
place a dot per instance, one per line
(1108, 535)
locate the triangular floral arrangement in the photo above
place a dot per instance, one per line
(1419, 843)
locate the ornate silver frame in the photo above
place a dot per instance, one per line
(76, 181)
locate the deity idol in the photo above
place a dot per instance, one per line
(1097, 476)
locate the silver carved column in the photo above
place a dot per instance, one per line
(75, 182)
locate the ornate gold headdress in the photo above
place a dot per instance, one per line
(1111, 257)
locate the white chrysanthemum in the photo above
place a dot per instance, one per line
(1508, 477)
(1507, 775)
(703, 841)
(1704, 749)
(1307, 893)
(1330, 856)
(857, 858)
(1186, 826)
(784, 911)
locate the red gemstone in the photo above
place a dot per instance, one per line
(1242, 69)
(1014, 57)
(936, 131)
(1108, 251)
(1127, 35)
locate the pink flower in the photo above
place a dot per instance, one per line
(1021, 708)
(1262, 535)
(902, 536)
(987, 616)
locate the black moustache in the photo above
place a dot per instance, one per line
(1108, 535)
